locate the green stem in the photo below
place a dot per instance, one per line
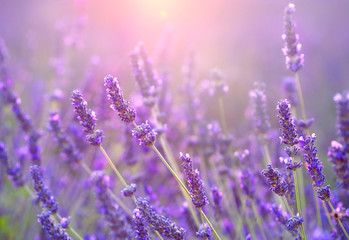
(267, 157)
(328, 215)
(298, 201)
(222, 114)
(339, 221)
(259, 221)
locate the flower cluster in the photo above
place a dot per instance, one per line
(340, 161)
(142, 230)
(195, 184)
(87, 119)
(292, 48)
(145, 134)
(163, 225)
(275, 181)
(259, 101)
(55, 232)
(314, 166)
(118, 103)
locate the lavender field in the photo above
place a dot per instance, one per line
(162, 119)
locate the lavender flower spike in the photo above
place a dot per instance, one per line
(292, 49)
(142, 230)
(287, 126)
(113, 214)
(277, 184)
(44, 195)
(145, 134)
(259, 100)
(56, 232)
(314, 166)
(163, 225)
(87, 119)
(195, 184)
(118, 103)
(342, 106)
(340, 162)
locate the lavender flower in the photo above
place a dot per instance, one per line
(259, 100)
(314, 166)
(113, 214)
(247, 183)
(340, 161)
(293, 223)
(290, 89)
(65, 145)
(129, 191)
(282, 218)
(87, 118)
(276, 182)
(56, 232)
(287, 126)
(292, 49)
(44, 195)
(163, 225)
(324, 193)
(217, 196)
(204, 232)
(145, 134)
(195, 184)
(219, 86)
(342, 105)
(142, 230)
(32, 135)
(118, 103)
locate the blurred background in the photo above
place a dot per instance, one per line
(65, 44)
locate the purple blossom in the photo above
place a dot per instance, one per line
(218, 86)
(292, 49)
(274, 179)
(195, 184)
(282, 217)
(287, 126)
(44, 195)
(87, 118)
(324, 193)
(217, 196)
(342, 105)
(111, 211)
(145, 134)
(142, 229)
(204, 232)
(56, 232)
(259, 101)
(66, 146)
(118, 103)
(340, 162)
(314, 166)
(247, 183)
(129, 191)
(163, 225)
(293, 223)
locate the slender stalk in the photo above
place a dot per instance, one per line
(222, 114)
(339, 220)
(111, 164)
(259, 221)
(291, 213)
(267, 157)
(328, 215)
(298, 201)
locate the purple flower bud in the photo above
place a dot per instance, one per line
(276, 182)
(340, 161)
(145, 134)
(129, 191)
